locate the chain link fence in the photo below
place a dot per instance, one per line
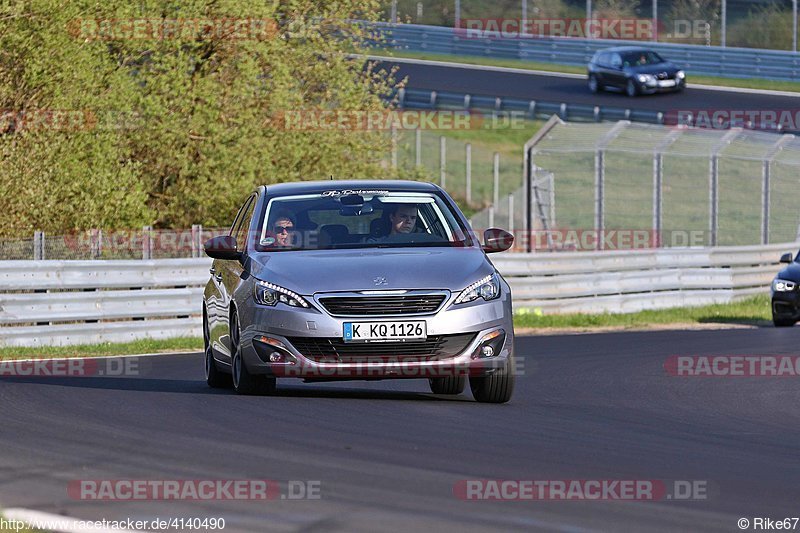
(658, 186)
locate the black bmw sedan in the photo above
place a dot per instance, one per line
(634, 70)
(786, 293)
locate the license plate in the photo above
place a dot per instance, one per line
(666, 83)
(385, 331)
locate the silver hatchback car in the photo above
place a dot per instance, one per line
(342, 280)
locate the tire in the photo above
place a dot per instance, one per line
(215, 378)
(244, 382)
(448, 385)
(594, 84)
(494, 388)
(780, 322)
(631, 89)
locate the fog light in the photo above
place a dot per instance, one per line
(276, 357)
(490, 345)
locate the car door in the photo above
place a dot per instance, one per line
(602, 68)
(231, 273)
(616, 73)
(216, 303)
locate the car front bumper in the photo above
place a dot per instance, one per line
(282, 323)
(786, 304)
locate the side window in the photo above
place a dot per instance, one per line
(604, 59)
(244, 224)
(616, 60)
(238, 219)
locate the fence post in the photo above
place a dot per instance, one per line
(418, 147)
(491, 216)
(147, 242)
(658, 188)
(97, 242)
(195, 240)
(442, 161)
(599, 200)
(468, 149)
(511, 213)
(38, 245)
(713, 199)
(496, 176)
(394, 146)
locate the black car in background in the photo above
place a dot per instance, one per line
(634, 70)
(786, 293)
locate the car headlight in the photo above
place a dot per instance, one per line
(782, 285)
(680, 74)
(271, 294)
(487, 288)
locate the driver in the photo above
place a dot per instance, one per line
(403, 219)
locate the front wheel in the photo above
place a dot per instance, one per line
(631, 89)
(448, 385)
(496, 387)
(243, 381)
(782, 322)
(594, 84)
(215, 378)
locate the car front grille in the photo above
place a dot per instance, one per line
(335, 350)
(382, 305)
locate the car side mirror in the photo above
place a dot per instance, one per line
(497, 240)
(222, 247)
(786, 258)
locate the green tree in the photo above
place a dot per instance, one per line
(185, 123)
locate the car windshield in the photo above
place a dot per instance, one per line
(359, 219)
(637, 59)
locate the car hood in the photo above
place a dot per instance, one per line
(790, 273)
(667, 67)
(311, 271)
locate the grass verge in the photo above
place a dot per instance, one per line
(553, 67)
(181, 344)
(753, 311)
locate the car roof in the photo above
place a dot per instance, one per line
(626, 49)
(309, 187)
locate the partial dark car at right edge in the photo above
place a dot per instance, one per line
(785, 293)
(634, 70)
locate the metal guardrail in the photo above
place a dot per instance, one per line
(58, 303)
(628, 281)
(425, 99)
(119, 301)
(695, 59)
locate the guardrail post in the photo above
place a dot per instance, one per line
(442, 162)
(468, 162)
(713, 199)
(147, 242)
(491, 216)
(418, 147)
(532, 109)
(38, 245)
(401, 98)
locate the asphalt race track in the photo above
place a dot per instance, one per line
(387, 454)
(574, 91)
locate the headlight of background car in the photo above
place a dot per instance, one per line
(643, 78)
(680, 74)
(782, 285)
(487, 288)
(271, 294)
